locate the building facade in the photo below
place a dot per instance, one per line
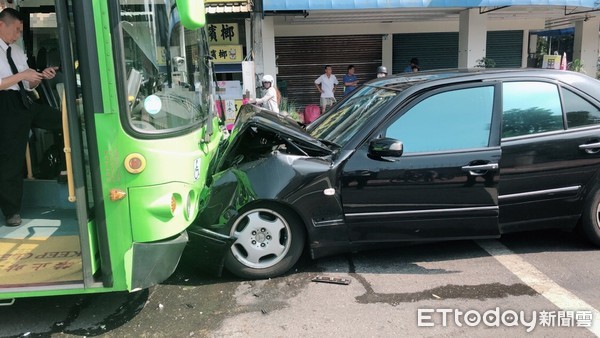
(297, 38)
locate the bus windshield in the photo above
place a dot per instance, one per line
(166, 71)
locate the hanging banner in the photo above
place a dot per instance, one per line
(231, 109)
(563, 62)
(249, 78)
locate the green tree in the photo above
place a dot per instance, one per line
(516, 122)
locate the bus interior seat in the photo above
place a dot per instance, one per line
(48, 88)
(44, 90)
(53, 60)
(41, 59)
(50, 92)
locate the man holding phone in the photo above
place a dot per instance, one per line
(18, 113)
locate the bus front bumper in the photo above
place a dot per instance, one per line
(208, 249)
(154, 262)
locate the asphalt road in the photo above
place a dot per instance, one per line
(538, 284)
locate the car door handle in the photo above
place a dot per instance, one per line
(590, 147)
(480, 167)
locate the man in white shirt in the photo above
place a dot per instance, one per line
(326, 86)
(17, 113)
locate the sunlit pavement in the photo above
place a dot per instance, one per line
(547, 279)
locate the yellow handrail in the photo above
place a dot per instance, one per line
(28, 162)
(67, 149)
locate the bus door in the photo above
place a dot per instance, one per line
(56, 237)
(110, 212)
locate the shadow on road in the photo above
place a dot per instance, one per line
(189, 273)
(190, 290)
(83, 315)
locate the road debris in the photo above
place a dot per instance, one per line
(331, 280)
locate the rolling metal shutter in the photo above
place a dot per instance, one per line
(434, 50)
(505, 48)
(301, 60)
(440, 50)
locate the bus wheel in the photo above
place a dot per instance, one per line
(269, 242)
(591, 218)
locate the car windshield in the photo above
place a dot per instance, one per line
(340, 124)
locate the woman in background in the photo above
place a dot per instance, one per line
(272, 96)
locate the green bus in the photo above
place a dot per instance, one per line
(135, 85)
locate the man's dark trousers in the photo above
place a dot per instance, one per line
(15, 124)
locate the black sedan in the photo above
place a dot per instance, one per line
(426, 156)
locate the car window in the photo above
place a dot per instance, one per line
(530, 108)
(451, 120)
(580, 112)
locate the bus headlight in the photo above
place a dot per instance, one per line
(190, 204)
(176, 202)
(173, 204)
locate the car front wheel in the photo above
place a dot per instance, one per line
(591, 218)
(269, 241)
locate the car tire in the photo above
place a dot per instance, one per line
(591, 218)
(269, 241)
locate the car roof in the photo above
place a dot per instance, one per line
(402, 81)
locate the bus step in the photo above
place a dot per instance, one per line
(46, 194)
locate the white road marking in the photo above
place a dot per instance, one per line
(537, 280)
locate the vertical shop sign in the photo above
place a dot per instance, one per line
(223, 34)
(223, 39)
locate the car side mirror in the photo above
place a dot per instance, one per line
(385, 147)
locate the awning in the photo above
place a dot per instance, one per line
(227, 6)
(299, 5)
(556, 32)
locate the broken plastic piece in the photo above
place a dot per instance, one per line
(332, 280)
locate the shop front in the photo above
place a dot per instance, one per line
(228, 38)
(306, 35)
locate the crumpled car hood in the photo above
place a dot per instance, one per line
(254, 117)
(259, 133)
